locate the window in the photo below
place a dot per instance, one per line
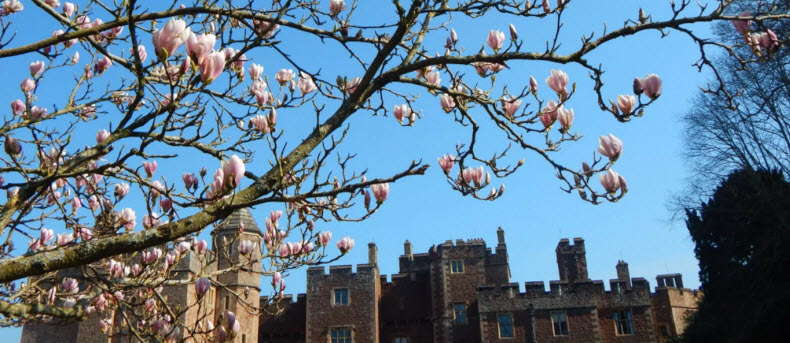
(243, 338)
(460, 313)
(340, 335)
(623, 322)
(227, 302)
(560, 323)
(456, 266)
(400, 340)
(505, 325)
(341, 296)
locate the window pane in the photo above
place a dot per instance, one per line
(505, 325)
(341, 297)
(460, 313)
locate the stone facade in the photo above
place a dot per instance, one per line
(456, 292)
(239, 284)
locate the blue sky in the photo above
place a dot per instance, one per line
(534, 213)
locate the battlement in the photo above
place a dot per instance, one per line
(565, 246)
(669, 280)
(286, 299)
(342, 271)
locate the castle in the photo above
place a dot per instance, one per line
(456, 292)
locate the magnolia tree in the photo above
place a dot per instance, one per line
(178, 83)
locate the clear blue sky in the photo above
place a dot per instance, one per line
(534, 213)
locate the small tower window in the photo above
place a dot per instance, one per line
(340, 297)
(456, 266)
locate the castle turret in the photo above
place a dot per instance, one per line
(572, 260)
(242, 287)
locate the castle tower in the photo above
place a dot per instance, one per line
(572, 260)
(241, 293)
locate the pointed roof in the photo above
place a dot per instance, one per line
(233, 221)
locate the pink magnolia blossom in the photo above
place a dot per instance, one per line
(558, 81)
(276, 279)
(345, 245)
(265, 26)
(260, 123)
(200, 46)
(446, 162)
(12, 6)
(140, 52)
(212, 66)
(610, 146)
(127, 218)
(626, 103)
(284, 250)
(367, 199)
(17, 107)
(121, 190)
(37, 112)
(650, 85)
(150, 168)
(83, 21)
(172, 36)
(284, 76)
(510, 107)
(447, 102)
(307, 247)
(76, 204)
(105, 325)
(46, 235)
(481, 68)
(610, 181)
(380, 191)
(75, 58)
(233, 171)
(102, 135)
(68, 9)
(473, 175)
(201, 247)
(565, 116)
(86, 234)
(156, 188)
(742, 26)
(202, 286)
(36, 68)
(263, 98)
(351, 85)
(70, 285)
(433, 78)
(255, 71)
(533, 84)
(64, 238)
(495, 39)
(190, 181)
(28, 85)
(306, 84)
(546, 6)
(453, 36)
(166, 204)
(93, 203)
(324, 237)
(336, 6)
(513, 33)
(112, 33)
(400, 111)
